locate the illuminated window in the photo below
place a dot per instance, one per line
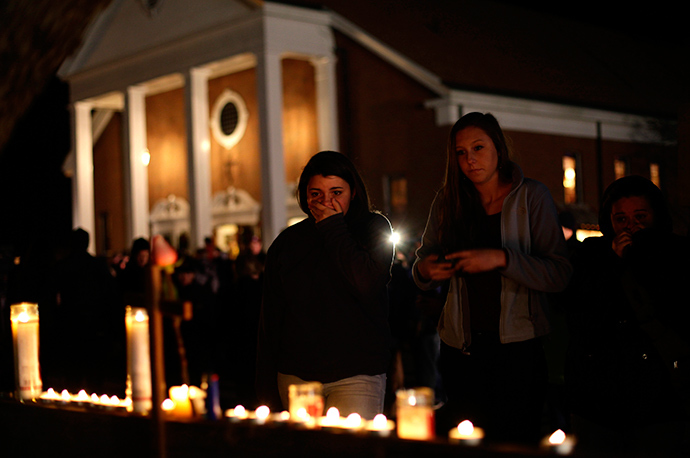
(654, 174)
(395, 193)
(569, 179)
(620, 168)
(399, 194)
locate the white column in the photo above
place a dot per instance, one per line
(447, 110)
(326, 102)
(198, 155)
(270, 98)
(136, 173)
(81, 165)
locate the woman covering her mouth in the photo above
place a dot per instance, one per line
(325, 301)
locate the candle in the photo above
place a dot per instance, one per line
(280, 418)
(183, 405)
(559, 443)
(353, 422)
(332, 419)
(25, 339)
(466, 433)
(81, 398)
(167, 406)
(126, 404)
(380, 426)
(262, 413)
(306, 403)
(138, 359)
(197, 396)
(237, 414)
(415, 413)
(50, 396)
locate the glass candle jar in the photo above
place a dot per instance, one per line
(25, 340)
(306, 402)
(415, 413)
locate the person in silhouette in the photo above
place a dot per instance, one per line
(627, 374)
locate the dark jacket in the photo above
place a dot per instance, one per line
(628, 355)
(325, 305)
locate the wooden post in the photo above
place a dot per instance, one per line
(153, 297)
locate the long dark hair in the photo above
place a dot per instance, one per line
(331, 163)
(460, 205)
(636, 186)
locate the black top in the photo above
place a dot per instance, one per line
(325, 302)
(484, 289)
(629, 339)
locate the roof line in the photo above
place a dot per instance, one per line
(417, 72)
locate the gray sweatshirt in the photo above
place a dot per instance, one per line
(537, 263)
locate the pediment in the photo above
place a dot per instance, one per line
(127, 29)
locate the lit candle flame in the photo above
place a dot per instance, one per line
(23, 317)
(557, 438)
(333, 414)
(465, 428)
(380, 422)
(50, 395)
(139, 316)
(354, 420)
(240, 412)
(262, 412)
(302, 414)
(65, 395)
(168, 405)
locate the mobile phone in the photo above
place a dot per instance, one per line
(442, 258)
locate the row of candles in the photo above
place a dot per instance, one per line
(415, 413)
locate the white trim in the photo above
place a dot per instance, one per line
(228, 96)
(514, 113)
(385, 52)
(546, 117)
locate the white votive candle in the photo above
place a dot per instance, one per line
(466, 433)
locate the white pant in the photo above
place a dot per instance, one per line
(362, 394)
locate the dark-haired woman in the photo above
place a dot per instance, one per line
(325, 304)
(627, 369)
(494, 235)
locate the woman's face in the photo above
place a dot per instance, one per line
(328, 189)
(477, 155)
(630, 214)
